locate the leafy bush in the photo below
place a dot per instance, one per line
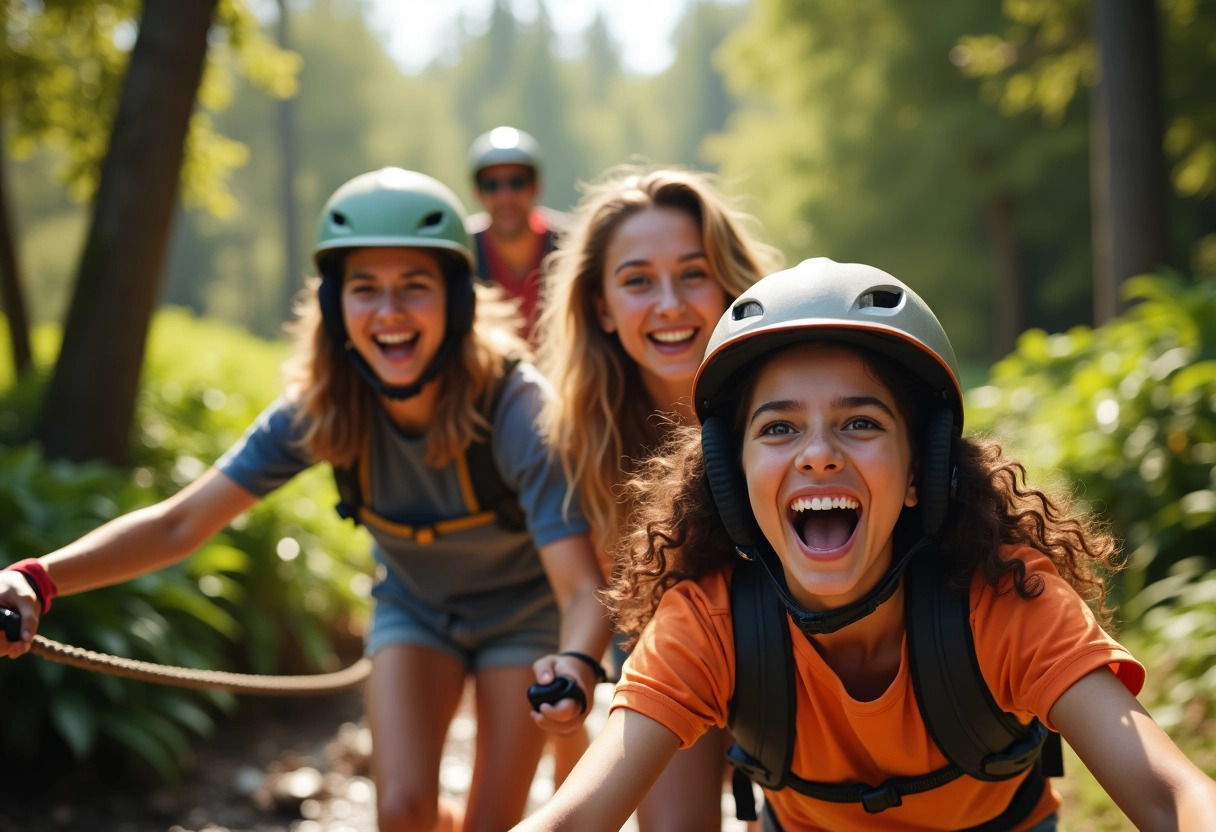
(160, 617)
(1128, 410)
(272, 593)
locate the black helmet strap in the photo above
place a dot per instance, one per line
(399, 391)
(461, 302)
(935, 489)
(813, 623)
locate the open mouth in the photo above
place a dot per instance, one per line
(674, 337)
(396, 346)
(825, 523)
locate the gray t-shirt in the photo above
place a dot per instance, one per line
(478, 579)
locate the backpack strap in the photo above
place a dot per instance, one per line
(482, 272)
(549, 244)
(761, 717)
(490, 491)
(975, 735)
(350, 495)
(955, 702)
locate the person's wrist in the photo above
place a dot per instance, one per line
(39, 580)
(601, 675)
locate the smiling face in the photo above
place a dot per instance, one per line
(660, 298)
(394, 304)
(828, 463)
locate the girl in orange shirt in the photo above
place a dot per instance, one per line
(831, 452)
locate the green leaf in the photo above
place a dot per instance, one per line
(76, 720)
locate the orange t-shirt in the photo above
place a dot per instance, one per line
(682, 674)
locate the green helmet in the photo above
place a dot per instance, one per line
(504, 146)
(393, 207)
(821, 298)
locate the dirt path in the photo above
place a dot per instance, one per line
(295, 765)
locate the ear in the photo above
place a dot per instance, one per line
(607, 323)
(910, 497)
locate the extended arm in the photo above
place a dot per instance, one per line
(138, 542)
(1138, 765)
(574, 574)
(610, 779)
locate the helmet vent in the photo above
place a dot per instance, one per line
(881, 299)
(338, 217)
(746, 309)
(432, 219)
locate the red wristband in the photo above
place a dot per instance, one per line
(39, 579)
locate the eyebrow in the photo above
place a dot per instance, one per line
(838, 403)
(641, 261)
(413, 272)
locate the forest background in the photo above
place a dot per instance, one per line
(974, 149)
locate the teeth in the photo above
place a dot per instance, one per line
(823, 503)
(672, 336)
(394, 337)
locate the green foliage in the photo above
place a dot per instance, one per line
(62, 63)
(275, 592)
(229, 261)
(1176, 632)
(1045, 58)
(161, 617)
(1128, 409)
(864, 143)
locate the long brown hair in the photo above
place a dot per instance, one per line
(335, 405)
(677, 533)
(596, 421)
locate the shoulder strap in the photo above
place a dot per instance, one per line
(550, 242)
(976, 736)
(482, 272)
(954, 700)
(350, 496)
(488, 485)
(762, 708)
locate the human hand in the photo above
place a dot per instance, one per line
(559, 697)
(20, 611)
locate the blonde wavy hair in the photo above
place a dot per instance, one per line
(596, 429)
(335, 405)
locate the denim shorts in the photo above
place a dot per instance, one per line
(517, 642)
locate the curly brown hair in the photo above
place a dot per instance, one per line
(677, 534)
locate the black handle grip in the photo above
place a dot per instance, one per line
(11, 620)
(563, 687)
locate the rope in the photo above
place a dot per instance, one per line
(188, 677)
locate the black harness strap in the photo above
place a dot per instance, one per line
(761, 715)
(955, 702)
(975, 735)
(492, 492)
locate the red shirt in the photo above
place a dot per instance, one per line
(523, 285)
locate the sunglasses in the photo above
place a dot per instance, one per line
(491, 185)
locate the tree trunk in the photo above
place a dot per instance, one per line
(1130, 185)
(10, 278)
(1008, 308)
(90, 403)
(293, 269)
